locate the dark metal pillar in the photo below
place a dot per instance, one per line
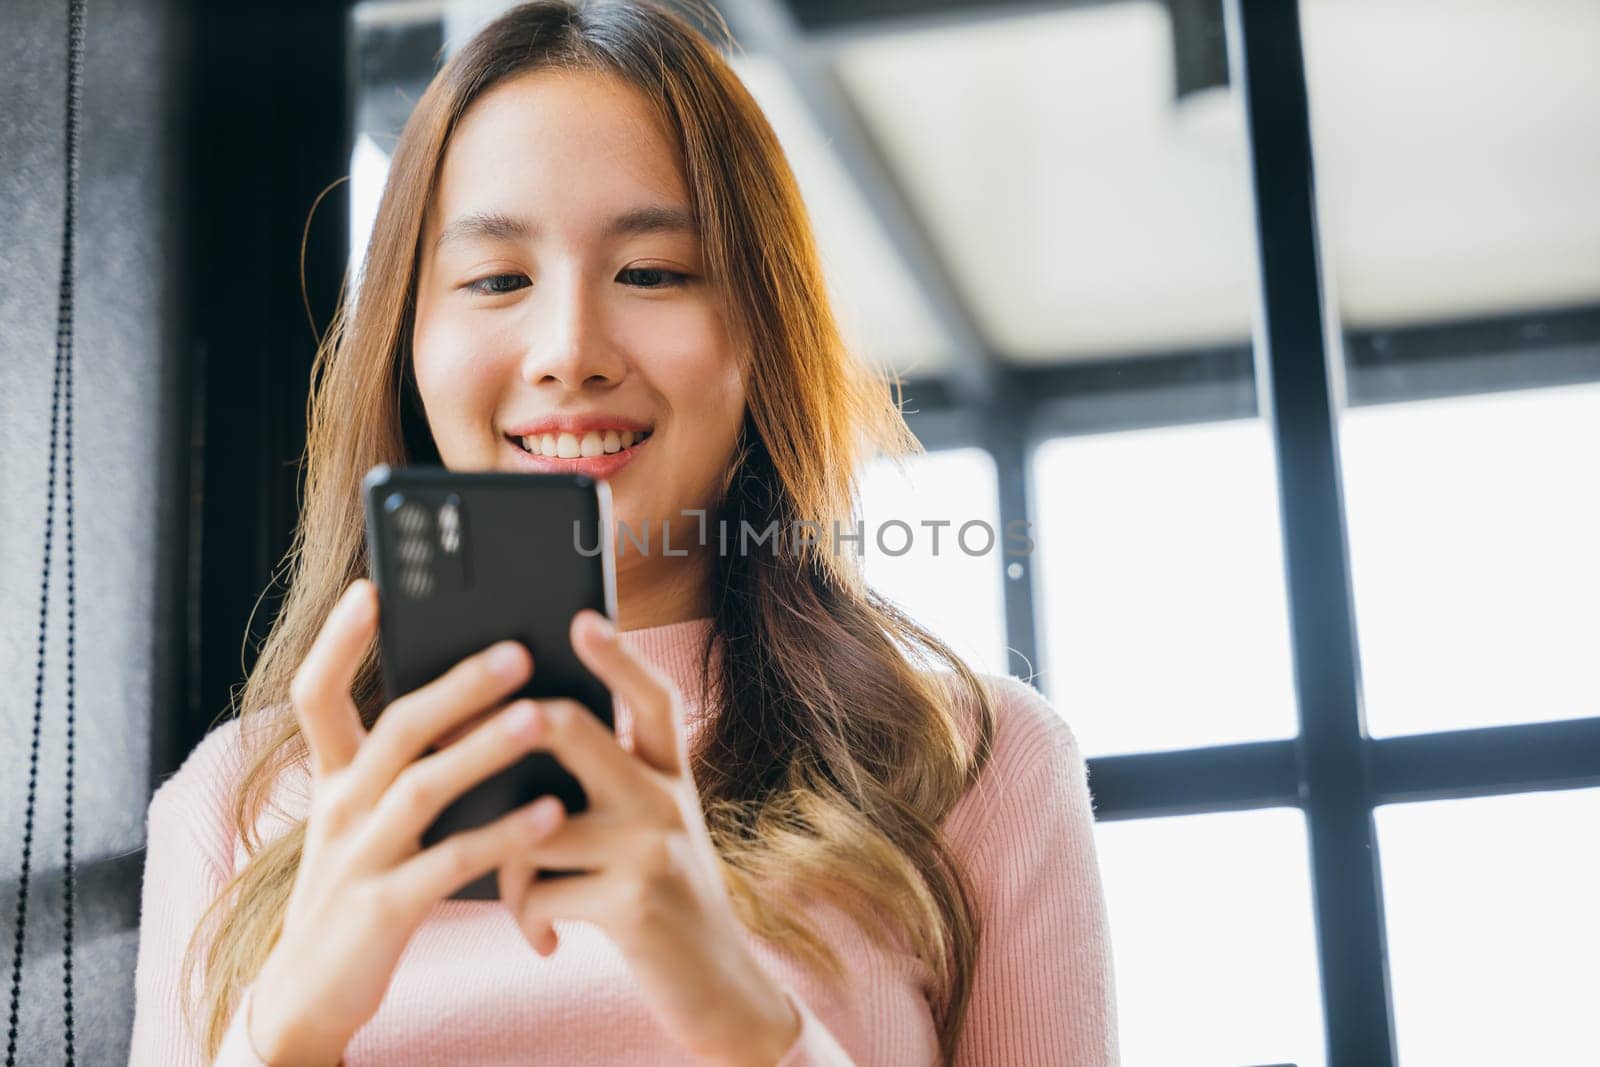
(1006, 437)
(1295, 375)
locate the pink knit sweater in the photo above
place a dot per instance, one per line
(470, 990)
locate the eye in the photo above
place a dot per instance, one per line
(652, 278)
(499, 284)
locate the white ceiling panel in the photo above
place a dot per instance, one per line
(1458, 154)
(1081, 208)
(881, 312)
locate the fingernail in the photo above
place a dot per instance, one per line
(542, 816)
(506, 659)
(357, 604)
(520, 718)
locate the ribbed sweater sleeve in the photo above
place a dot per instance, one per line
(1043, 993)
(188, 860)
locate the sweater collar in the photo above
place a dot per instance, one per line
(677, 649)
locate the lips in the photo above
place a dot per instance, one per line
(579, 424)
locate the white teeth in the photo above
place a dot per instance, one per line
(575, 446)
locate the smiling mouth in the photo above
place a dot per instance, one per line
(580, 446)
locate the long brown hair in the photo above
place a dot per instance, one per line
(838, 752)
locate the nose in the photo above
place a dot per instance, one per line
(567, 342)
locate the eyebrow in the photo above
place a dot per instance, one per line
(496, 226)
(484, 226)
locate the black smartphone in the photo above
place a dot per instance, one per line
(465, 559)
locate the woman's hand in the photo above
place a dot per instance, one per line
(652, 878)
(364, 883)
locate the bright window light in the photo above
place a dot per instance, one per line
(1161, 572)
(955, 594)
(1473, 525)
(1493, 930)
(1212, 938)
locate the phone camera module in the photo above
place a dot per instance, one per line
(411, 518)
(413, 525)
(450, 527)
(416, 582)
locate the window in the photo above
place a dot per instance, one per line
(1455, 157)
(1473, 522)
(1456, 186)
(1493, 933)
(1215, 953)
(1162, 587)
(940, 575)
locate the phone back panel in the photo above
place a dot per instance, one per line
(465, 559)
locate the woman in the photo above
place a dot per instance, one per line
(806, 845)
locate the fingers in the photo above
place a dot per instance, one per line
(631, 875)
(436, 872)
(513, 879)
(515, 875)
(611, 777)
(601, 847)
(657, 730)
(410, 724)
(592, 898)
(426, 787)
(518, 870)
(590, 842)
(320, 691)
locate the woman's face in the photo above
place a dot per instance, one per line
(562, 308)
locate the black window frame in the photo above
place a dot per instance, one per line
(1332, 770)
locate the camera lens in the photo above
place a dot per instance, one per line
(412, 519)
(449, 527)
(416, 582)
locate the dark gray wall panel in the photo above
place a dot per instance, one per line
(129, 414)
